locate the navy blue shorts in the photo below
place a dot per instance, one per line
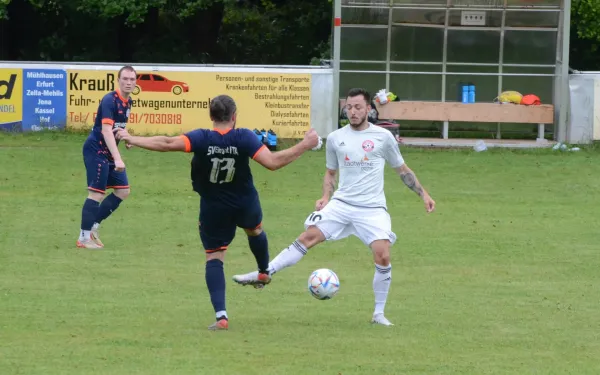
(101, 174)
(218, 222)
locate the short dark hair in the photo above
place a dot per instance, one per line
(126, 67)
(358, 91)
(222, 108)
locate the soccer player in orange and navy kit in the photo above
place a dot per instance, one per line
(228, 199)
(103, 162)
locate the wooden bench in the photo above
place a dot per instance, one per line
(447, 112)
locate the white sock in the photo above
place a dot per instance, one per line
(84, 235)
(95, 226)
(288, 257)
(381, 286)
(221, 313)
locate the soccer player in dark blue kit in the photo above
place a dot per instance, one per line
(222, 177)
(103, 162)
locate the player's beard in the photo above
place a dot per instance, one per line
(360, 123)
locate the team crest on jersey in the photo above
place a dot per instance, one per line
(368, 145)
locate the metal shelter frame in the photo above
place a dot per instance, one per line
(560, 94)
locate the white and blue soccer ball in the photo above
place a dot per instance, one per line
(323, 284)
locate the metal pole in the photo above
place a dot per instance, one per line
(445, 50)
(388, 55)
(500, 63)
(337, 34)
(564, 95)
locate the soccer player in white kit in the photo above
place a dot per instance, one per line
(358, 207)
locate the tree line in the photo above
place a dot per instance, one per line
(204, 31)
(165, 31)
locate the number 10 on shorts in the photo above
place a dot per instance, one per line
(315, 216)
(218, 165)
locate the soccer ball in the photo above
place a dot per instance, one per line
(323, 284)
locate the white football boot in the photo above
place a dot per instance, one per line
(253, 278)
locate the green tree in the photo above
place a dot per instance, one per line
(275, 31)
(585, 34)
(165, 31)
(586, 14)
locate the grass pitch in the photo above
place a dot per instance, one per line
(502, 279)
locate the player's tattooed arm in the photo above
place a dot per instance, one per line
(410, 180)
(328, 188)
(329, 183)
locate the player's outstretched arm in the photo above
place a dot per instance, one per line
(410, 180)
(156, 143)
(276, 160)
(279, 159)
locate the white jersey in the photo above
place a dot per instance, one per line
(360, 157)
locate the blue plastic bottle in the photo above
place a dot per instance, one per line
(471, 93)
(258, 134)
(465, 94)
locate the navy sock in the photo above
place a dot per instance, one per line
(88, 214)
(107, 207)
(260, 248)
(215, 281)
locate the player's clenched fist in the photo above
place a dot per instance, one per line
(119, 166)
(321, 203)
(429, 203)
(122, 135)
(311, 138)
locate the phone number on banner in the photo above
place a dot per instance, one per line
(155, 118)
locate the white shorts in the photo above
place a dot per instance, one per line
(339, 220)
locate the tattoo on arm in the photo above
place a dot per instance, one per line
(410, 180)
(329, 185)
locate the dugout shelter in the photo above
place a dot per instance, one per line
(427, 51)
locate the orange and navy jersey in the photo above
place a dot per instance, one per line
(221, 164)
(113, 110)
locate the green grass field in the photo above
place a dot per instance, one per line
(502, 279)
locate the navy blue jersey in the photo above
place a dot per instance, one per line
(221, 164)
(114, 110)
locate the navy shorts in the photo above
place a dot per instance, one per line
(218, 222)
(101, 174)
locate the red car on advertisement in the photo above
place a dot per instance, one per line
(150, 82)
